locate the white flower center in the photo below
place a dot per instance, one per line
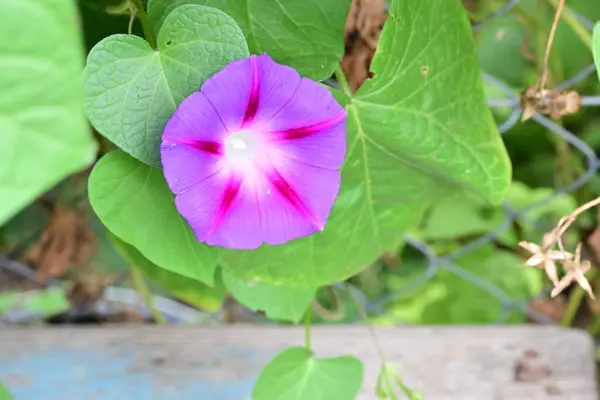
(241, 150)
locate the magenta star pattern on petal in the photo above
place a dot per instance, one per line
(254, 157)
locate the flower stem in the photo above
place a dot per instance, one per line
(340, 76)
(307, 328)
(146, 26)
(142, 289)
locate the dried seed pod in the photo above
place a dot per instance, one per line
(549, 102)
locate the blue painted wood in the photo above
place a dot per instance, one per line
(64, 373)
(140, 362)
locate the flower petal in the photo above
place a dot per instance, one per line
(195, 121)
(240, 227)
(185, 166)
(250, 90)
(191, 143)
(311, 127)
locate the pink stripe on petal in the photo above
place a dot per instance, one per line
(305, 197)
(304, 131)
(240, 228)
(227, 198)
(276, 87)
(252, 106)
(292, 197)
(205, 146)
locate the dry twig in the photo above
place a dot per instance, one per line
(545, 256)
(538, 99)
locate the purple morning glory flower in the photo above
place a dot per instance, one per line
(254, 157)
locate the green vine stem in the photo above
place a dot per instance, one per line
(142, 289)
(594, 326)
(146, 25)
(307, 321)
(340, 76)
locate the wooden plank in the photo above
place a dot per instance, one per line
(221, 363)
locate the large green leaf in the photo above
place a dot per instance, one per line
(307, 35)
(596, 47)
(417, 132)
(278, 302)
(43, 132)
(134, 202)
(132, 90)
(189, 290)
(295, 374)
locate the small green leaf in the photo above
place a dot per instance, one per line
(134, 202)
(132, 90)
(189, 290)
(44, 134)
(596, 47)
(418, 132)
(278, 302)
(295, 374)
(4, 393)
(307, 35)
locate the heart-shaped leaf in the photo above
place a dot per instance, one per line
(278, 302)
(134, 202)
(295, 374)
(44, 135)
(420, 130)
(131, 90)
(307, 35)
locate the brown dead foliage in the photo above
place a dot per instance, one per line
(65, 241)
(551, 308)
(363, 27)
(549, 102)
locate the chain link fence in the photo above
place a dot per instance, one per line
(179, 313)
(448, 261)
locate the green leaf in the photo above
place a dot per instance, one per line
(295, 374)
(44, 133)
(307, 35)
(278, 302)
(596, 47)
(132, 90)
(134, 202)
(189, 290)
(418, 132)
(4, 393)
